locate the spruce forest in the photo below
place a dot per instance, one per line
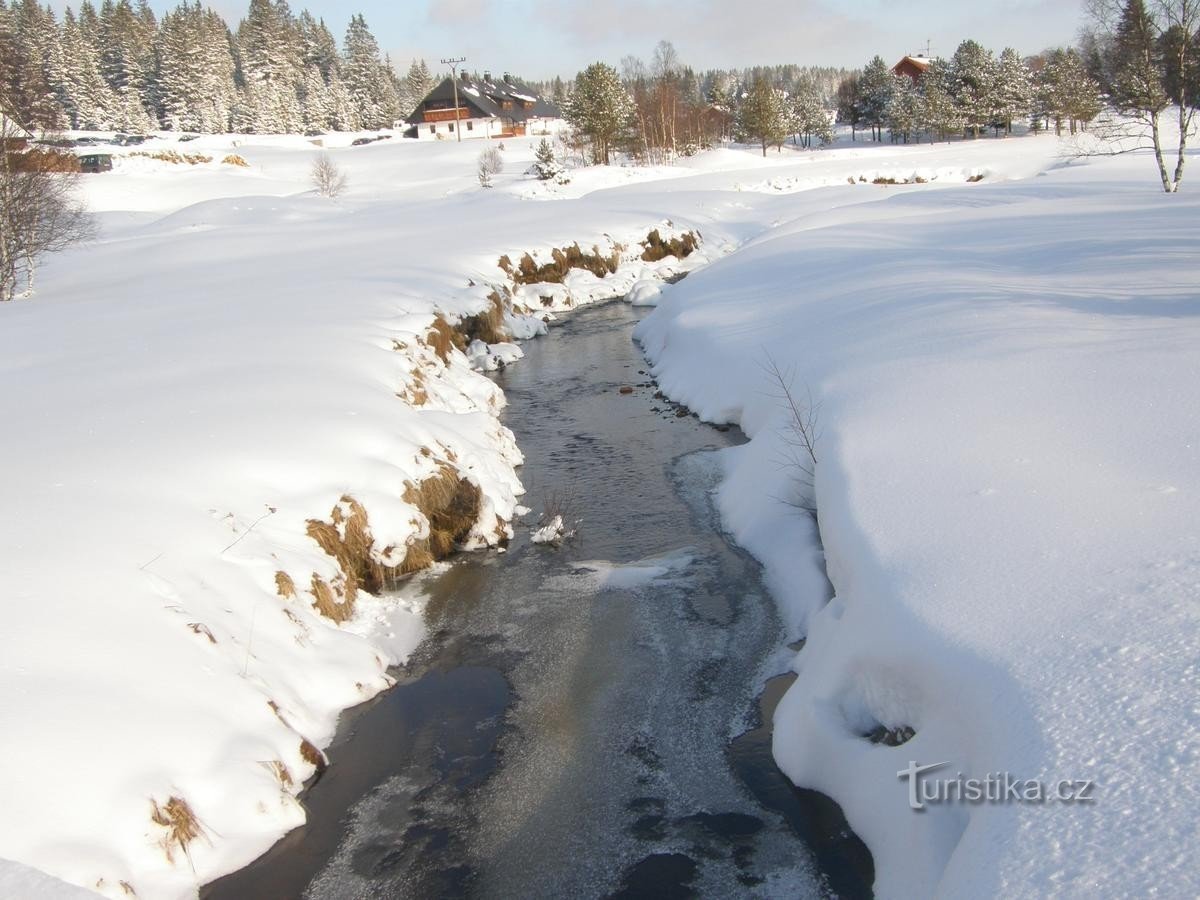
(122, 68)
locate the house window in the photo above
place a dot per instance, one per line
(470, 126)
(450, 126)
(433, 129)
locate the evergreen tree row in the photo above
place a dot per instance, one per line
(120, 68)
(972, 91)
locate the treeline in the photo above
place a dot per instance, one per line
(656, 110)
(971, 92)
(121, 68)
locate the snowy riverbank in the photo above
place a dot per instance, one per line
(1006, 478)
(235, 356)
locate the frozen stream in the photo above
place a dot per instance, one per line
(567, 729)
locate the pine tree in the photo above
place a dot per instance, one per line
(809, 116)
(762, 116)
(270, 57)
(1066, 92)
(875, 91)
(943, 115)
(28, 92)
(975, 72)
(366, 78)
(1013, 90)
(600, 109)
(417, 85)
(85, 96)
(849, 102)
(127, 61)
(317, 102)
(906, 114)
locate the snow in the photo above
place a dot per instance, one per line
(1008, 452)
(553, 532)
(1009, 439)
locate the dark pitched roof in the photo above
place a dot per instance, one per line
(484, 98)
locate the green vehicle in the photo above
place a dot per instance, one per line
(95, 163)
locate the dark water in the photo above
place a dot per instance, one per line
(582, 721)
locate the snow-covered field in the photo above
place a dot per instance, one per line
(1008, 452)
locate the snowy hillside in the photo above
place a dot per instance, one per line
(214, 409)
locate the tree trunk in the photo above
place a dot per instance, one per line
(1185, 121)
(1158, 154)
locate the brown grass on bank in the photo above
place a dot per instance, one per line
(451, 504)
(183, 827)
(348, 540)
(38, 159)
(332, 600)
(282, 773)
(416, 393)
(234, 160)
(486, 326)
(563, 260)
(680, 247)
(311, 755)
(174, 157)
(284, 586)
(443, 338)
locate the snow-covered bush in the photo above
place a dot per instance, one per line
(327, 178)
(491, 164)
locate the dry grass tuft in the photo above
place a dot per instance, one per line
(127, 889)
(679, 247)
(348, 540)
(563, 260)
(174, 157)
(234, 160)
(486, 326)
(416, 393)
(451, 505)
(38, 159)
(201, 628)
(975, 179)
(328, 603)
(282, 773)
(311, 755)
(444, 338)
(284, 586)
(181, 823)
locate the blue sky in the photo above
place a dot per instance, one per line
(542, 38)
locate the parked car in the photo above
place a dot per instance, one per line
(95, 163)
(358, 142)
(188, 137)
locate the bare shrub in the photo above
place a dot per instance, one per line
(491, 164)
(801, 437)
(327, 178)
(39, 210)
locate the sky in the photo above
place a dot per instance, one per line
(539, 39)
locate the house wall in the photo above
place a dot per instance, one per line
(471, 129)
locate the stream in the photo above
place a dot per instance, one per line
(581, 721)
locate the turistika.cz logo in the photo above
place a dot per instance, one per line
(995, 787)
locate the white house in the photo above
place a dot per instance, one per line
(485, 109)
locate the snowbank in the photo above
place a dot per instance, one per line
(1007, 466)
(237, 365)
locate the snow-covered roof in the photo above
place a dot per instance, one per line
(485, 100)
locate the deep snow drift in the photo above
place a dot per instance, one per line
(1009, 445)
(1008, 460)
